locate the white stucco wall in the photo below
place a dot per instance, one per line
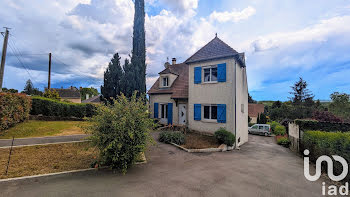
(171, 79)
(241, 105)
(163, 98)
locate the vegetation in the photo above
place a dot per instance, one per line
(14, 108)
(284, 141)
(5, 90)
(327, 143)
(340, 105)
(325, 116)
(172, 137)
(262, 119)
(52, 94)
(30, 90)
(34, 128)
(323, 126)
(121, 131)
(90, 91)
(225, 137)
(250, 99)
(34, 160)
(50, 107)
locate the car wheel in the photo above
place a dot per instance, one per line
(266, 134)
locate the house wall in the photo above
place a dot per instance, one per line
(241, 105)
(171, 79)
(211, 93)
(73, 100)
(254, 120)
(163, 98)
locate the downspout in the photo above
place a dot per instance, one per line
(235, 104)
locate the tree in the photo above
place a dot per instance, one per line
(112, 82)
(276, 104)
(340, 105)
(262, 119)
(300, 92)
(9, 90)
(138, 59)
(30, 90)
(52, 94)
(250, 99)
(90, 91)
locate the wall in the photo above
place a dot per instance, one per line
(254, 120)
(293, 130)
(73, 100)
(211, 93)
(163, 98)
(171, 79)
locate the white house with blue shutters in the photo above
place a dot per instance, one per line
(208, 91)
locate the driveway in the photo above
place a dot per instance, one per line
(260, 168)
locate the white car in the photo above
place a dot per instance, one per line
(260, 129)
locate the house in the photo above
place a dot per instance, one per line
(94, 99)
(207, 91)
(254, 110)
(71, 94)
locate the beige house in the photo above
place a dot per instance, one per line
(71, 94)
(208, 91)
(254, 110)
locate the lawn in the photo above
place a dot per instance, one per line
(33, 160)
(36, 128)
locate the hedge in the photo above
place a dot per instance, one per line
(327, 143)
(225, 137)
(14, 108)
(323, 126)
(49, 107)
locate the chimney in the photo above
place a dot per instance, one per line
(174, 60)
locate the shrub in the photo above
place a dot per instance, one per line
(326, 116)
(172, 137)
(280, 130)
(327, 143)
(225, 137)
(273, 125)
(121, 131)
(323, 126)
(284, 141)
(51, 94)
(14, 108)
(49, 107)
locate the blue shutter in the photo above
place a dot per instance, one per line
(221, 113)
(222, 72)
(155, 113)
(197, 111)
(197, 75)
(170, 113)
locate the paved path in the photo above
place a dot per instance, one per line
(260, 168)
(41, 140)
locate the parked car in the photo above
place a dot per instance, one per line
(260, 129)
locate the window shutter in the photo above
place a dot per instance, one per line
(222, 72)
(155, 113)
(197, 111)
(221, 113)
(170, 113)
(197, 75)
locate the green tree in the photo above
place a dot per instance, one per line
(112, 82)
(121, 131)
(90, 91)
(340, 105)
(250, 99)
(52, 94)
(300, 92)
(9, 90)
(30, 90)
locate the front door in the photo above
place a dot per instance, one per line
(182, 114)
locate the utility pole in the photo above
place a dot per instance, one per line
(3, 57)
(49, 80)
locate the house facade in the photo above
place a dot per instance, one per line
(254, 110)
(208, 91)
(71, 94)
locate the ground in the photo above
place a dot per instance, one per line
(37, 128)
(260, 168)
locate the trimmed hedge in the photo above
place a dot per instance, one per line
(323, 126)
(172, 137)
(327, 143)
(49, 107)
(283, 141)
(14, 108)
(225, 137)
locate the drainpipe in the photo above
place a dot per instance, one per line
(235, 104)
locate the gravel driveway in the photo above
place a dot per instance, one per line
(260, 168)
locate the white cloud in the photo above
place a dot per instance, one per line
(233, 16)
(181, 7)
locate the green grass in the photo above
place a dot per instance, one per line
(35, 128)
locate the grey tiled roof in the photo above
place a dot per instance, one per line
(68, 93)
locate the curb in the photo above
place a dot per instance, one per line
(204, 150)
(25, 138)
(19, 146)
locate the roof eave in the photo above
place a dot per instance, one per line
(242, 64)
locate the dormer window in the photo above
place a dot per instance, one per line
(210, 74)
(165, 82)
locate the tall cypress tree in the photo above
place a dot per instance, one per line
(138, 59)
(112, 84)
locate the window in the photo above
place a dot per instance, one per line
(261, 127)
(165, 82)
(266, 128)
(242, 108)
(163, 111)
(210, 74)
(210, 112)
(255, 127)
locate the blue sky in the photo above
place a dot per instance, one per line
(283, 40)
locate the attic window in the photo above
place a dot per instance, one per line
(165, 82)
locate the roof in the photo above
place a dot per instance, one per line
(179, 88)
(216, 49)
(68, 93)
(94, 99)
(255, 109)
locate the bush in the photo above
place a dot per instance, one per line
(14, 108)
(49, 107)
(280, 130)
(172, 137)
(325, 116)
(284, 141)
(323, 126)
(273, 125)
(327, 143)
(121, 131)
(225, 137)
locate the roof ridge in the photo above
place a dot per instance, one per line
(202, 48)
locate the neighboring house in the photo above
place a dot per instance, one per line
(94, 99)
(254, 110)
(71, 94)
(208, 91)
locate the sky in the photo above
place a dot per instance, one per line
(282, 40)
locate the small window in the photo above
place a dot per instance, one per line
(163, 110)
(210, 74)
(255, 127)
(165, 82)
(266, 128)
(261, 127)
(210, 112)
(242, 108)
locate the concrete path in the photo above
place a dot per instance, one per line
(260, 168)
(41, 140)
